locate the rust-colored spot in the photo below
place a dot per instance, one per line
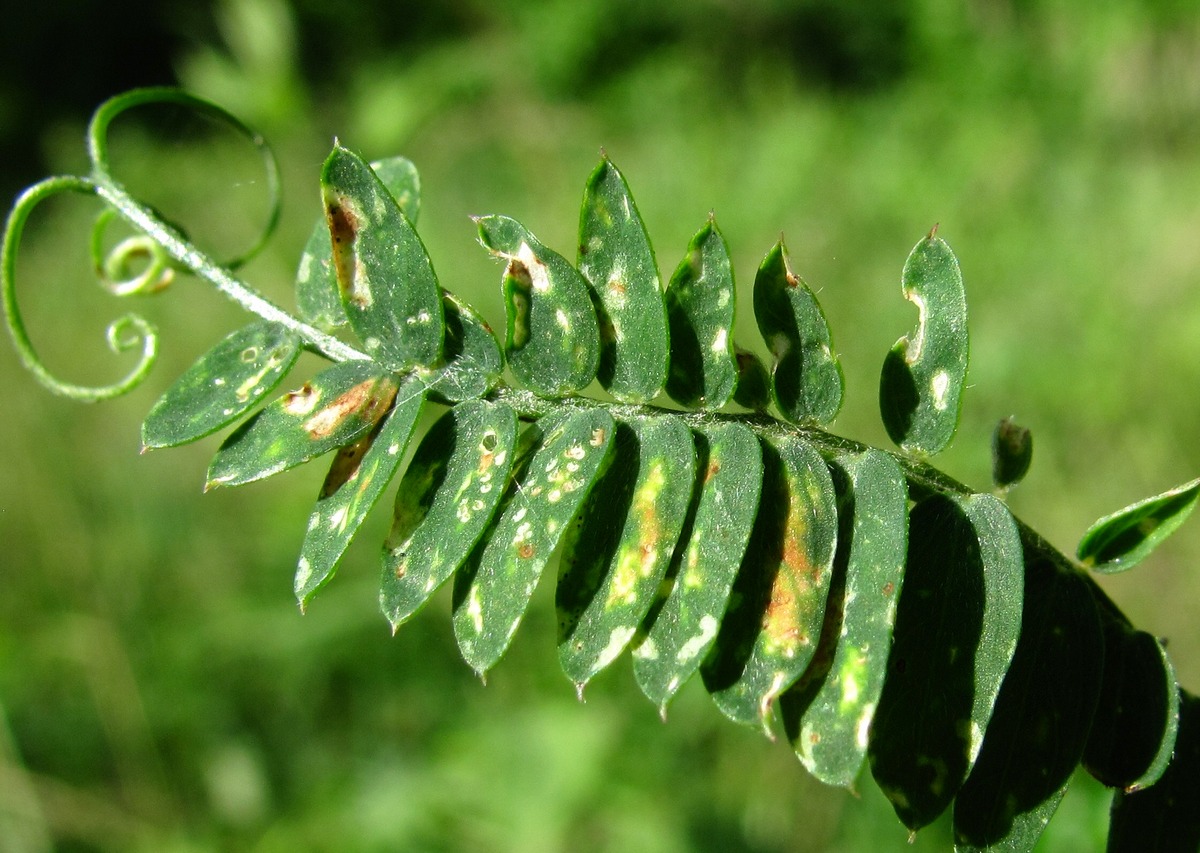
(368, 399)
(401, 570)
(712, 471)
(616, 287)
(343, 230)
(889, 588)
(814, 738)
(525, 551)
(792, 279)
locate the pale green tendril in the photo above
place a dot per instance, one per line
(147, 261)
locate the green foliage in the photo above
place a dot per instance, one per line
(882, 609)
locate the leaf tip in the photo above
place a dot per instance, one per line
(933, 232)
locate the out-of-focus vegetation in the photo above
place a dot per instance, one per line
(158, 690)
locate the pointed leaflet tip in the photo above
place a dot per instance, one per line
(579, 687)
(933, 231)
(1122, 540)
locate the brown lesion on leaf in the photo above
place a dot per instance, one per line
(711, 471)
(792, 588)
(525, 551)
(301, 401)
(343, 231)
(369, 400)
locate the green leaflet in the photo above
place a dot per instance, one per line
(446, 499)
(335, 409)
(1167, 815)
(473, 361)
(385, 279)
(1134, 730)
(222, 385)
(700, 311)
(753, 390)
(553, 340)
(828, 713)
(1012, 451)
(682, 624)
(920, 389)
(359, 474)
(1122, 540)
(317, 295)
(777, 605)
(806, 381)
(616, 259)
(492, 589)
(615, 558)
(1039, 725)
(957, 624)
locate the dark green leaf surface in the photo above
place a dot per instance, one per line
(700, 313)
(1134, 730)
(920, 390)
(317, 296)
(616, 556)
(339, 405)
(357, 478)
(753, 390)
(806, 380)
(777, 605)
(616, 259)
(956, 630)
(682, 625)
(828, 713)
(1038, 728)
(1122, 540)
(387, 285)
(492, 589)
(473, 361)
(445, 500)
(1165, 817)
(222, 385)
(553, 341)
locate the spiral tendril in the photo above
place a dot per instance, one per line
(123, 334)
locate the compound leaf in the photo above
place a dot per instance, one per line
(616, 259)
(336, 408)
(1122, 540)
(700, 311)
(492, 589)
(385, 279)
(957, 624)
(1039, 726)
(1133, 733)
(682, 624)
(829, 711)
(222, 385)
(552, 342)
(777, 605)
(317, 296)
(618, 552)
(356, 480)
(806, 381)
(446, 499)
(920, 390)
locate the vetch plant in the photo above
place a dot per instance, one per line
(867, 605)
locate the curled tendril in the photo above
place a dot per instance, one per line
(97, 139)
(123, 334)
(136, 265)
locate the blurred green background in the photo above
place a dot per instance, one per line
(159, 690)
